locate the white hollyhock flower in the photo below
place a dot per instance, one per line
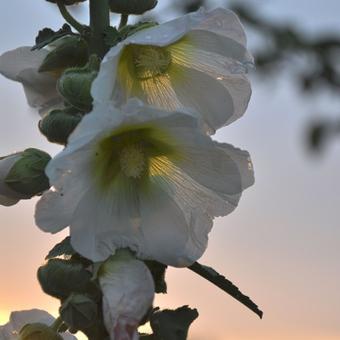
(128, 292)
(22, 65)
(18, 320)
(8, 196)
(142, 178)
(197, 61)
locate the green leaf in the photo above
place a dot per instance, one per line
(47, 36)
(61, 249)
(60, 278)
(158, 273)
(221, 282)
(27, 175)
(172, 324)
(79, 311)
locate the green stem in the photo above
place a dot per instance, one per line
(99, 22)
(69, 18)
(57, 324)
(123, 20)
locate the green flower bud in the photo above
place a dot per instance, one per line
(58, 124)
(67, 2)
(27, 175)
(60, 278)
(79, 311)
(136, 7)
(75, 85)
(38, 331)
(69, 51)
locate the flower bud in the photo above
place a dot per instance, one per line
(38, 331)
(69, 51)
(132, 6)
(75, 85)
(27, 175)
(67, 2)
(57, 125)
(22, 175)
(128, 292)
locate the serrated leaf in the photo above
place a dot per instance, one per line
(227, 286)
(47, 36)
(172, 324)
(61, 249)
(158, 273)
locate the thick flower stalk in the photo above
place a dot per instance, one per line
(128, 293)
(142, 178)
(22, 65)
(197, 61)
(31, 325)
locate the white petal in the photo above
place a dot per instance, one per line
(14, 62)
(22, 65)
(204, 94)
(103, 223)
(70, 179)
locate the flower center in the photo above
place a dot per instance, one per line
(132, 161)
(150, 61)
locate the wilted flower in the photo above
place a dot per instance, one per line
(22, 65)
(197, 61)
(142, 178)
(18, 320)
(128, 292)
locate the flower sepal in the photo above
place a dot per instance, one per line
(75, 84)
(69, 51)
(67, 2)
(27, 175)
(135, 7)
(58, 124)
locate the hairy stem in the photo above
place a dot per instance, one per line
(69, 18)
(123, 20)
(99, 22)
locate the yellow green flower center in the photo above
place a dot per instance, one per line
(149, 61)
(133, 154)
(132, 161)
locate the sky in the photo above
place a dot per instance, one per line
(280, 246)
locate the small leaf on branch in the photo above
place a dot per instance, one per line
(47, 36)
(227, 286)
(172, 324)
(61, 249)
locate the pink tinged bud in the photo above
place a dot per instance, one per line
(128, 292)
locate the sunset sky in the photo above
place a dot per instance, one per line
(282, 244)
